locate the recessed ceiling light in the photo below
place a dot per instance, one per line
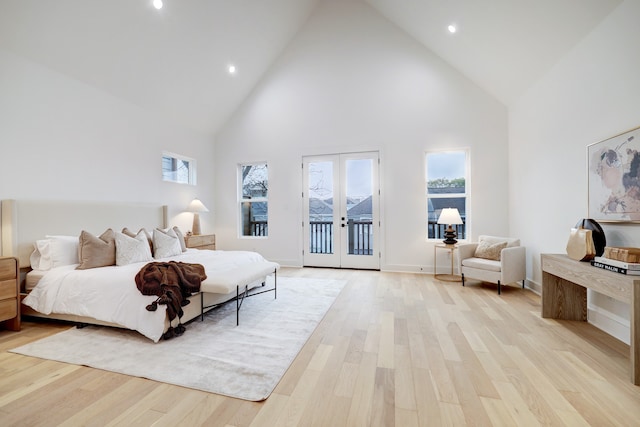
(232, 69)
(452, 28)
(157, 4)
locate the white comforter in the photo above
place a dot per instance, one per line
(110, 294)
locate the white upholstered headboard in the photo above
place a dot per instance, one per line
(25, 221)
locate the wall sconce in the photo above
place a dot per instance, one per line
(196, 206)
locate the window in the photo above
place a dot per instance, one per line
(254, 188)
(178, 169)
(446, 182)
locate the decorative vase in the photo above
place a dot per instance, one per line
(599, 239)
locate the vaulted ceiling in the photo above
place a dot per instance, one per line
(174, 61)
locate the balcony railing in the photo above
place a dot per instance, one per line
(259, 228)
(321, 237)
(360, 237)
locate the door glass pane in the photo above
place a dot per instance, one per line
(359, 196)
(321, 238)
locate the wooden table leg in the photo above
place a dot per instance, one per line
(562, 299)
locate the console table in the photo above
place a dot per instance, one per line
(564, 295)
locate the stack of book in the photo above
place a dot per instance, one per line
(622, 267)
(622, 254)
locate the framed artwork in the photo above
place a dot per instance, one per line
(614, 178)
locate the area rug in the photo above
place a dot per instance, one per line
(245, 361)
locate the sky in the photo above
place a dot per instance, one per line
(448, 165)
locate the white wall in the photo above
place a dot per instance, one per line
(352, 81)
(590, 95)
(61, 139)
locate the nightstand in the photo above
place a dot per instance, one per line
(9, 293)
(201, 241)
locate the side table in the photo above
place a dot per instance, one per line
(10, 293)
(445, 277)
(201, 241)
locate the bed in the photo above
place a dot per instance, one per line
(57, 286)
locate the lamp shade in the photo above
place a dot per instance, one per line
(449, 216)
(197, 206)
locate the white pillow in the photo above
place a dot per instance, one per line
(132, 249)
(54, 251)
(40, 258)
(165, 244)
(130, 233)
(64, 250)
(180, 235)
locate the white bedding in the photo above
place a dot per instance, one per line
(110, 294)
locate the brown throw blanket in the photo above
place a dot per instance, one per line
(173, 282)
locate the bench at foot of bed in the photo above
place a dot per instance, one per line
(238, 279)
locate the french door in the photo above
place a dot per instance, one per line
(341, 211)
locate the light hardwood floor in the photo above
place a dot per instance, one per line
(395, 349)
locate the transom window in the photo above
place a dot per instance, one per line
(180, 169)
(446, 175)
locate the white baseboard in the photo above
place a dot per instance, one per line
(288, 263)
(390, 268)
(609, 323)
(535, 287)
(405, 268)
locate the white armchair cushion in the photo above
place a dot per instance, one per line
(482, 263)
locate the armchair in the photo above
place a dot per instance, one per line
(493, 259)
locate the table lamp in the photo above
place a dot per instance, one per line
(450, 216)
(196, 206)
